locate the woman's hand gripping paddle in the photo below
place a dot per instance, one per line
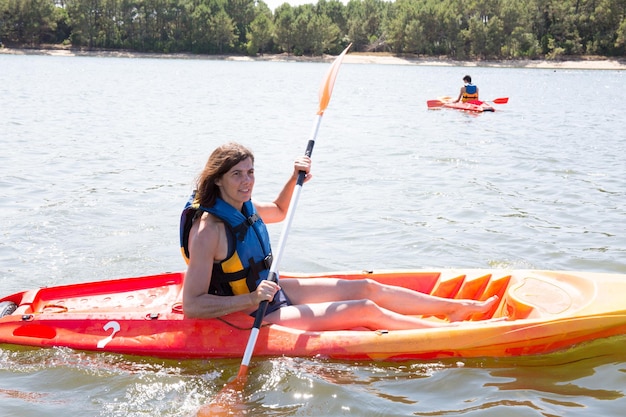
(227, 402)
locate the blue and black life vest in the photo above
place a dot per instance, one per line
(471, 93)
(249, 252)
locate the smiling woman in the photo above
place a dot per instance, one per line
(224, 239)
(228, 251)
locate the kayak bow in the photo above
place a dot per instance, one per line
(475, 106)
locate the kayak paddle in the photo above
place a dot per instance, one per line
(434, 104)
(501, 100)
(438, 103)
(231, 391)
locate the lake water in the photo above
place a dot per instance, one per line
(99, 155)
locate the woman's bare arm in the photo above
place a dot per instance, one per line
(276, 211)
(204, 243)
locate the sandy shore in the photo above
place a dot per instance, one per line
(589, 63)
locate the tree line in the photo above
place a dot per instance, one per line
(459, 29)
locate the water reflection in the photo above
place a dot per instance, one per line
(561, 384)
(117, 385)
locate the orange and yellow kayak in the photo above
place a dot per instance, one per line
(545, 311)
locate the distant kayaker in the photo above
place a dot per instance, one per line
(469, 92)
(226, 245)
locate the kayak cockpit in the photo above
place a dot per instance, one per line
(158, 292)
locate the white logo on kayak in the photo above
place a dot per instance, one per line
(112, 325)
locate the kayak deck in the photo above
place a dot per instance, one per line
(545, 311)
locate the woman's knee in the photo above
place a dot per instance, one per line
(369, 313)
(366, 308)
(363, 289)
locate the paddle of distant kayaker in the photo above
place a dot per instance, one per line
(227, 247)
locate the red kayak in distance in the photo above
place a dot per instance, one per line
(474, 106)
(470, 106)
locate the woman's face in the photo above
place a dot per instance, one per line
(236, 185)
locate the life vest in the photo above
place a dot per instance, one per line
(249, 252)
(471, 93)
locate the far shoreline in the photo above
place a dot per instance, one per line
(381, 58)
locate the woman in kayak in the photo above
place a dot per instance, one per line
(226, 246)
(469, 92)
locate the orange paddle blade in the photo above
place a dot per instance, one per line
(434, 104)
(502, 100)
(326, 89)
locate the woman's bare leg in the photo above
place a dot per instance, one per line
(346, 315)
(396, 299)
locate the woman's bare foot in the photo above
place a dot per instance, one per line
(467, 308)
